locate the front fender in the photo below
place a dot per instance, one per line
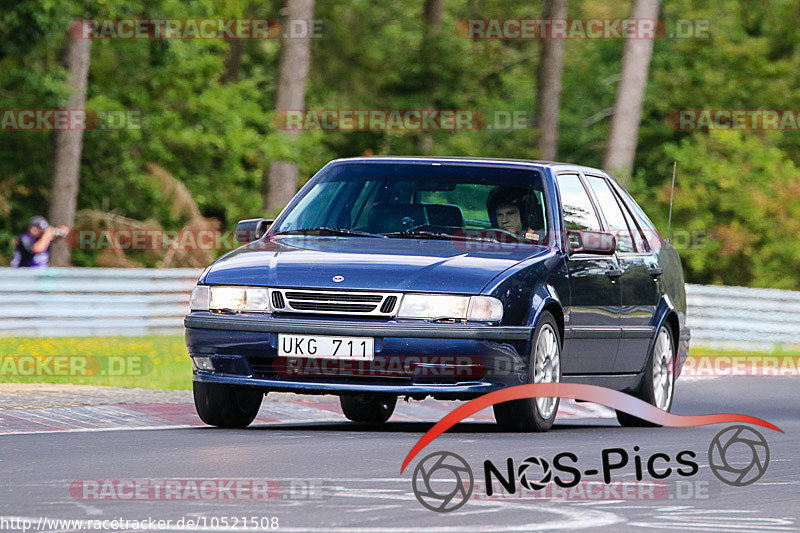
(544, 295)
(666, 310)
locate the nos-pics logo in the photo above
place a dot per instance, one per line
(443, 481)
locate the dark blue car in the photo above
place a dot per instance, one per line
(391, 277)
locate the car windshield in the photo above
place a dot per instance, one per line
(421, 200)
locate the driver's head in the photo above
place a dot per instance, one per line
(509, 218)
(507, 209)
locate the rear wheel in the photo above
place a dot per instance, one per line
(658, 384)
(226, 406)
(367, 408)
(536, 414)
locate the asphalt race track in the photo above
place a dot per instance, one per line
(331, 475)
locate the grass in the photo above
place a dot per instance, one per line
(156, 362)
(702, 351)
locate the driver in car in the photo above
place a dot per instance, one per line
(508, 211)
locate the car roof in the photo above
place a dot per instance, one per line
(449, 159)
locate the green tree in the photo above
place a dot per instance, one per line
(736, 218)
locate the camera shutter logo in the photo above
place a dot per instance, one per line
(526, 481)
(442, 482)
(730, 460)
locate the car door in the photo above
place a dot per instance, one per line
(592, 328)
(639, 281)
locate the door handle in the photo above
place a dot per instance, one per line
(655, 271)
(613, 272)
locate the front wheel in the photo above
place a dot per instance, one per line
(226, 406)
(367, 408)
(658, 385)
(536, 414)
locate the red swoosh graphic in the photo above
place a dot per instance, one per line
(590, 393)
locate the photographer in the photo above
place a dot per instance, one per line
(33, 246)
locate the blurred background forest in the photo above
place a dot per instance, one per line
(206, 136)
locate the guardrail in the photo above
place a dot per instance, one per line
(743, 318)
(131, 301)
(81, 302)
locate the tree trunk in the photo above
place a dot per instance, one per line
(630, 97)
(432, 15)
(233, 62)
(69, 144)
(548, 84)
(281, 182)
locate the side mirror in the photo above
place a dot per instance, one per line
(252, 229)
(591, 242)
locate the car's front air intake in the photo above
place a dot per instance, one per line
(333, 302)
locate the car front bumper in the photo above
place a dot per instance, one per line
(446, 361)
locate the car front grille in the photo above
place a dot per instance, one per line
(343, 303)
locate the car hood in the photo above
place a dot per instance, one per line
(369, 263)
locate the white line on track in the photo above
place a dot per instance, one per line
(88, 509)
(729, 520)
(145, 428)
(93, 430)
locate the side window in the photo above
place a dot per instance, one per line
(636, 232)
(651, 235)
(613, 213)
(578, 210)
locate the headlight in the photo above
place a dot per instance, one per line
(229, 298)
(482, 308)
(199, 299)
(485, 309)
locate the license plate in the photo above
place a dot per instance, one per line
(325, 347)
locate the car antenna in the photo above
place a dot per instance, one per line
(671, 196)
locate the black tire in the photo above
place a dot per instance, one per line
(646, 390)
(525, 414)
(367, 408)
(226, 406)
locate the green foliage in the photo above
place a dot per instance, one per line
(736, 211)
(210, 125)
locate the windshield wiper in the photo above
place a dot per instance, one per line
(419, 234)
(324, 231)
